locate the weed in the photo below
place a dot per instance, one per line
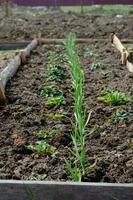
(114, 98)
(55, 101)
(51, 91)
(97, 65)
(46, 134)
(42, 147)
(121, 114)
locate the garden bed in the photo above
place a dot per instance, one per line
(24, 113)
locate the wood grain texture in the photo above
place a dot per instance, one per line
(18, 190)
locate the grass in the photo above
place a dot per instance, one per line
(78, 168)
(55, 101)
(42, 147)
(114, 97)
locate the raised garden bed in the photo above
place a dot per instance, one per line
(28, 117)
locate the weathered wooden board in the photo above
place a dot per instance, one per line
(13, 45)
(125, 54)
(18, 190)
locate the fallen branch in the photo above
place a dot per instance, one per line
(126, 56)
(13, 66)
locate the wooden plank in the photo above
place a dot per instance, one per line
(24, 190)
(126, 57)
(13, 45)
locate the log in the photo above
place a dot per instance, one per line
(30, 47)
(13, 66)
(35, 190)
(10, 70)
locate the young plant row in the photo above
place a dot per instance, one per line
(53, 98)
(109, 96)
(77, 167)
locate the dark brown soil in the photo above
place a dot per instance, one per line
(24, 112)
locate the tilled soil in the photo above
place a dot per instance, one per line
(24, 112)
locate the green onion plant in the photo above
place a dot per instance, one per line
(78, 168)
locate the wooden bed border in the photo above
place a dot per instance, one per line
(126, 55)
(35, 190)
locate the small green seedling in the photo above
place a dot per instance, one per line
(73, 171)
(105, 89)
(56, 116)
(51, 91)
(56, 57)
(56, 73)
(55, 101)
(42, 147)
(97, 65)
(121, 114)
(89, 53)
(106, 74)
(47, 134)
(38, 177)
(114, 98)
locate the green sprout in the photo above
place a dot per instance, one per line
(56, 116)
(114, 98)
(121, 114)
(55, 101)
(89, 53)
(56, 73)
(78, 169)
(106, 74)
(38, 177)
(51, 91)
(46, 134)
(97, 65)
(42, 147)
(105, 89)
